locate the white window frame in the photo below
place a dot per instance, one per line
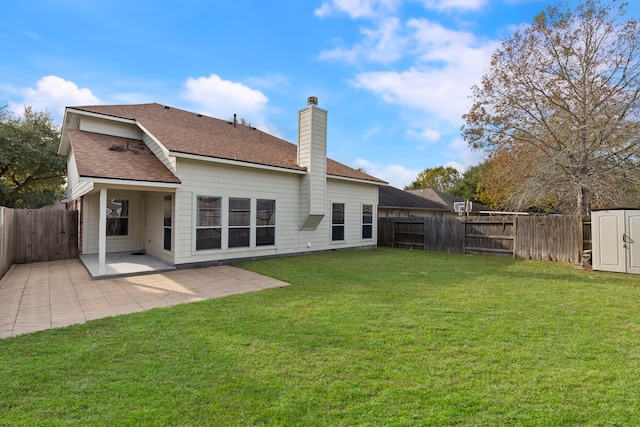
(267, 226)
(246, 226)
(127, 217)
(197, 227)
(365, 224)
(164, 225)
(337, 224)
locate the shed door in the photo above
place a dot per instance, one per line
(608, 250)
(632, 237)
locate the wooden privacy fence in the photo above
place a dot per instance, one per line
(556, 237)
(34, 235)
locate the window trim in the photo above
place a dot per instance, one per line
(196, 227)
(128, 218)
(335, 225)
(246, 226)
(273, 226)
(171, 221)
(367, 224)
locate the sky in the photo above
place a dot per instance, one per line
(394, 75)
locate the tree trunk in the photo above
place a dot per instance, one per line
(583, 207)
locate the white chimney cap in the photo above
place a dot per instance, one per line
(312, 100)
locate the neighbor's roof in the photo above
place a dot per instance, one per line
(184, 132)
(391, 197)
(104, 156)
(446, 199)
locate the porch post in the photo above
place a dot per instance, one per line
(102, 233)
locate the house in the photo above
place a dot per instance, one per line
(394, 203)
(194, 190)
(453, 203)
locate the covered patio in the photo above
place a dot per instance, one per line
(121, 264)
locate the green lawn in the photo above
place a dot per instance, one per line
(384, 337)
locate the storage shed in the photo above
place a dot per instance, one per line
(615, 234)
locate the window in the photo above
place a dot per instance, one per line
(367, 221)
(337, 221)
(208, 223)
(167, 222)
(117, 217)
(265, 222)
(239, 222)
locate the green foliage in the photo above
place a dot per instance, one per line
(31, 172)
(471, 185)
(440, 178)
(406, 338)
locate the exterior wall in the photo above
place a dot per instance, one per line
(75, 188)
(109, 127)
(209, 179)
(132, 242)
(154, 226)
(353, 195)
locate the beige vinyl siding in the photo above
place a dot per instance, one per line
(154, 225)
(200, 178)
(108, 127)
(318, 166)
(132, 242)
(75, 188)
(161, 152)
(353, 195)
(312, 137)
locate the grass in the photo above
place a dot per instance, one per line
(383, 337)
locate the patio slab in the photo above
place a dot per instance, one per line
(46, 295)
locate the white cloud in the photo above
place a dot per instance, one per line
(449, 63)
(454, 4)
(371, 132)
(53, 93)
(382, 44)
(222, 98)
(466, 157)
(427, 136)
(356, 8)
(396, 176)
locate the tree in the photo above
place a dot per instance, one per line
(560, 108)
(472, 185)
(439, 178)
(31, 172)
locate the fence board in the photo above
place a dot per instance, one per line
(37, 235)
(555, 237)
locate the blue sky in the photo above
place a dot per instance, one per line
(395, 75)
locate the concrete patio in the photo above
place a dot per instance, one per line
(47, 295)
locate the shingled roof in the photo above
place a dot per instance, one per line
(104, 156)
(183, 132)
(391, 197)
